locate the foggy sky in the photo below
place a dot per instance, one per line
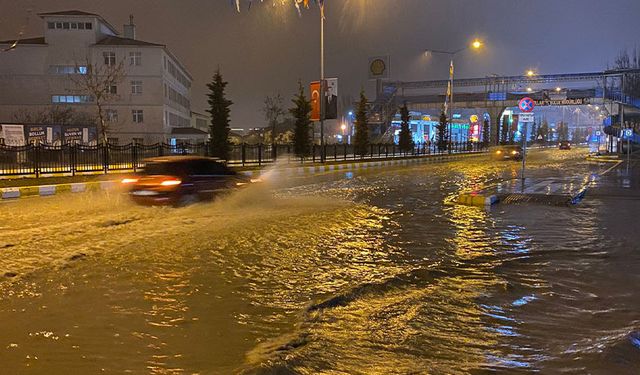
(267, 49)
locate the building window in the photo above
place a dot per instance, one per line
(136, 87)
(81, 26)
(67, 69)
(65, 25)
(135, 58)
(138, 115)
(70, 99)
(112, 89)
(111, 115)
(138, 141)
(109, 58)
(74, 26)
(88, 25)
(51, 25)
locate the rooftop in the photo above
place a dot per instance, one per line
(118, 41)
(192, 131)
(38, 40)
(68, 13)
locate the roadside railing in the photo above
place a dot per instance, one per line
(39, 159)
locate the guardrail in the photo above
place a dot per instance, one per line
(71, 159)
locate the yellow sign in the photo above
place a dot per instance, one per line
(426, 118)
(473, 118)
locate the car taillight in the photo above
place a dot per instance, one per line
(129, 180)
(171, 182)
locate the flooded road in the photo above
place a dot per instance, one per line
(368, 272)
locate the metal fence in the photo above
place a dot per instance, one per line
(71, 158)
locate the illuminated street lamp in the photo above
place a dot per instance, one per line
(529, 89)
(530, 73)
(558, 89)
(448, 106)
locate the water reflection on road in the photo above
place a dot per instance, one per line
(373, 274)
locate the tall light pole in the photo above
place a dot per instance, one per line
(448, 104)
(322, 82)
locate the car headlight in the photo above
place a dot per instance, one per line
(498, 152)
(254, 180)
(514, 152)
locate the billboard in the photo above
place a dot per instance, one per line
(13, 135)
(331, 99)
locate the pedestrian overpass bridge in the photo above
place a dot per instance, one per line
(494, 94)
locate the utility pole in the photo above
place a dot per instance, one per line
(322, 88)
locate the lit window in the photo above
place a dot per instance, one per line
(136, 87)
(138, 115)
(135, 58)
(109, 58)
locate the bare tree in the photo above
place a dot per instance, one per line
(274, 112)
(58, 115)
(99, 81)
(625, 61)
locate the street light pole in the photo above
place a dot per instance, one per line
(475, 45)
(322, 83)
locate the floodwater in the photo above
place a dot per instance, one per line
(371, 272)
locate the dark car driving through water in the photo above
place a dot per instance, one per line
(182, 180)
(564, 145)
(506, 152)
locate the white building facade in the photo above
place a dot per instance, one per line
(152, 99)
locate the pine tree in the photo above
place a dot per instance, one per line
(504, 131)
(301, 113)
(441, 134)
(219, 111)
(534, 132)
(361, 141)
(406, 140)
(486, 133)
(544, 131)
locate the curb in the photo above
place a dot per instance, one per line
(603, 159)
(81, 187)
(477, 199)
(49, 190)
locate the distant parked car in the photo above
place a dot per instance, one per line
(564, 145)
(507, 152)
(182, 180)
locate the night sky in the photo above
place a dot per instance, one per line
(266, 49)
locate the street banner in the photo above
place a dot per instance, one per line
(13, 135)
(37, 134)
(331, 99)
(73, 134)
(315, 100)
(379, 67)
